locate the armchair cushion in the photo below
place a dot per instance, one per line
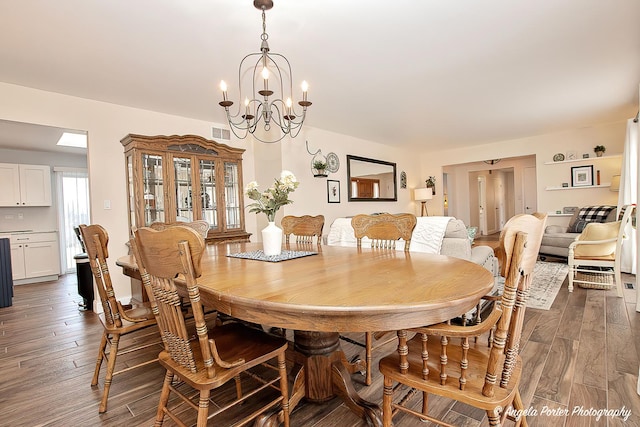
(597, 232)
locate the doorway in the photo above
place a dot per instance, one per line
(30, 143)
(73, 209)
(502, 188)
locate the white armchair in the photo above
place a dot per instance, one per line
(598, 246)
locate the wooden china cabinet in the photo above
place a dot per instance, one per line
(185, 178)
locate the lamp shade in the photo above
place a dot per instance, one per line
(421, 194)
(615, 183)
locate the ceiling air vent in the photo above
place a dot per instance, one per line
(219, 133)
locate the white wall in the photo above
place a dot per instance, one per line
(311, 196)
(106, 124)
(543, 147)
(463, 197)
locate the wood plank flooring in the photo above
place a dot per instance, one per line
(582, 354)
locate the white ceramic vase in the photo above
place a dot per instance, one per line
(272, 239)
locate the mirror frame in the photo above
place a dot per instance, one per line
(368, 199)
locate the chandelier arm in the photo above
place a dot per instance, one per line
(240, 125)
(284, 58)
(278, 117)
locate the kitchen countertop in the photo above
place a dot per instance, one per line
(10, 232)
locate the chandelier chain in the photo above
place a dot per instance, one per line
(264, 35)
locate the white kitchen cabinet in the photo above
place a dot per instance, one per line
(17, 261)
(25, 185)
(35, 257)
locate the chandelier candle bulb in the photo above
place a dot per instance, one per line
(223, 88)
(305, 88)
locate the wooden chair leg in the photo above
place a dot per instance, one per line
(164, 398)
(387, 397)
(203, 408)
(103, 346)
(238, 387)
(425, 403)
(111, 366)
(494, 417)
(284, 388)
(368, 356)
(519, 406)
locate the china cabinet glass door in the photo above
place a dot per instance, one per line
(153, 188)
(184, 189)
(231, 194)
(208, 191)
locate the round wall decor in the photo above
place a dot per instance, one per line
(333, 163)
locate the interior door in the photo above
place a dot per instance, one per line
(482, 203)
(530, 190)
(499, 201)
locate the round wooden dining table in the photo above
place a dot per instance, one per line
(338, 289)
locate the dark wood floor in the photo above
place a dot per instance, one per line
(583, 352)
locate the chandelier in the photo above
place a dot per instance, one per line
(266, 103)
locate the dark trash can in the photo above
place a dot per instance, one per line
(6, 274)
(85, 281)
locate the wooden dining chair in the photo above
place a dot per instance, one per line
(384, 230)
(216, 355)
(485, 377)
(201, 226)
(304, 228)
(117, 321)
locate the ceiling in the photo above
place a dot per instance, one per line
(30, 137)
(407, 73)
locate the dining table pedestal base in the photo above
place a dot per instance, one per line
(322, 372)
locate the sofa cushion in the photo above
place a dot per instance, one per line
(590, 214)
(562, 240)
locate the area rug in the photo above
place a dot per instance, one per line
(547, 280)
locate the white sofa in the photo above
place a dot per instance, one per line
(556, 238)
(442, 235)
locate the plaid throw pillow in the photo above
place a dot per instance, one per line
(590, 214)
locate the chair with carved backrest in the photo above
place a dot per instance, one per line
(216, 355)
(116, 320)
(475, 374)
(201, 226)
(596, 252)
(384, 230)
(304, 228)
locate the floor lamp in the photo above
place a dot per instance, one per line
(422, 195)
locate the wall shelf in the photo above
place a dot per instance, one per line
(605, 185)
(589, 159)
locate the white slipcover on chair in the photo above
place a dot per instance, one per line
(598, 246)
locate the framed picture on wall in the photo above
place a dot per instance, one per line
(333, 191)
(582, 176)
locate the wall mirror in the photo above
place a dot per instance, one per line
(371, 180)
